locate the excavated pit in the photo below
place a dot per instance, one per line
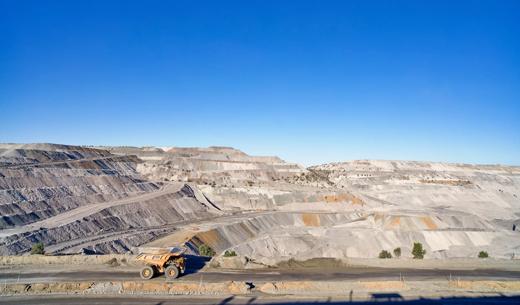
(113, 199)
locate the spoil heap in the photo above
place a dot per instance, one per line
(72, 198)
(111, 199)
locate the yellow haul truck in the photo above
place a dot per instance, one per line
(169, 261)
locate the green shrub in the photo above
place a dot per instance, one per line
(206, 250)
(385, 254)
(483, 254)
(417, 251)
(397, 252)
(230, 253)
(38, 248)
(113, 262)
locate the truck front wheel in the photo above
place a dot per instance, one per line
(147, 273)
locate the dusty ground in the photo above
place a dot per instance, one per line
(292, 291)
(41, 269)
(127, 260)
(153, 300)
(53, 274)
(306, 279)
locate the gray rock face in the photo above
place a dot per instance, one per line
(213, 165)
(112, 199)
(357, 209)
(70, 197)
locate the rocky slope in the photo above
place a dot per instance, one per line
(359, 208)
(214, 165)
(66, 196)
(113, 199)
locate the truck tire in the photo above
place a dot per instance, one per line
(147, 272)
(172, 272)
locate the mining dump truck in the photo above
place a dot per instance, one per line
(169, 261)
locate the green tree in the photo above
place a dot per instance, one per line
(38, 248)
(230, 253)
(483, 254)
(206, 250)
(385, 254)
(418, 252)
(397, 252)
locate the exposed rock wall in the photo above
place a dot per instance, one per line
(42, 183)
(213, 165)
(111, 199)
(274, 237)
(39, 184)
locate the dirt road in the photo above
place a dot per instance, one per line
(28, 276)
(87, 210)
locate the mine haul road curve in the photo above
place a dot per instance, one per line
(262, 275)
(86, 210)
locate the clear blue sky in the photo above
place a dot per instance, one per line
(310, 81)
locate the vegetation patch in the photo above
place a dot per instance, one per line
(230, 253)
(38, 248)
(397, 252)
(417, 251)
(206, 250)
(385, 254)
(483, 254)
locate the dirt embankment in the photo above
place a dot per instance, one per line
(109, 259)
(358, 289)
(326, 263)
(425, 264)
(126, 287)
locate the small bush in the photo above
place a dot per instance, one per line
(397, 252)
(206, 250)
(385, 254)
(417, 251)
(230, 253)
(483, 254)
(38, 248)
(113, 262)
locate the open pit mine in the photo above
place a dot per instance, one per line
(101, 200)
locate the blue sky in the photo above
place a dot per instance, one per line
(310, 81)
